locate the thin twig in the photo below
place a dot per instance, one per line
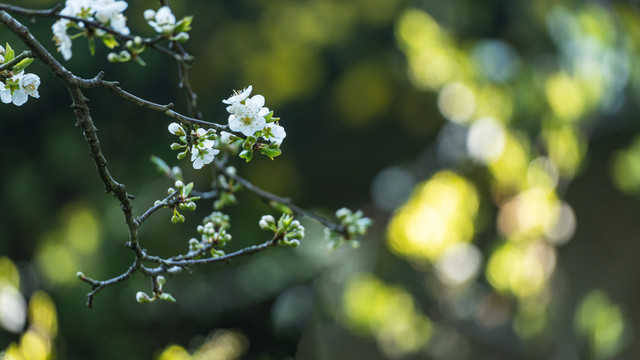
(140, 219)
(285, 201)
(25, 54)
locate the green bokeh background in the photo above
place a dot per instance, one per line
(338, 76)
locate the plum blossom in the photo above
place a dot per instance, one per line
(18, 88)
(107, 12)
(248, 118)
(238, 97)
(29, 84)
(274, 132)
(201, 156)
(162, 21)
(62, 39)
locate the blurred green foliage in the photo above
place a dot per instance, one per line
(495, 145)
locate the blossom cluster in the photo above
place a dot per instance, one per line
(106, 12)
(201, 148)
(164, 22)
(15, 85)
(251, 118)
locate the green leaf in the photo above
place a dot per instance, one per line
(247, 155)
(9, 54)
(161, 165)
(22, 65)
(183, 25)
(281, 207)
(187, 189)
(271, 152)
(109, 41)
(269, 116)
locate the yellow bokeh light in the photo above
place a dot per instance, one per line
(565, 96)
(601, 324)
(386, 312)
(9, 272)
(510, 169)
(174, 352)
(35, 346)
(521, 270)
(566, 148)
(495, 102)
(457, 102)
(42, 313)
(528, 215)
(440, 213)
(83, 231)
(418, 30)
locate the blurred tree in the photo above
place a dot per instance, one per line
(493, 143)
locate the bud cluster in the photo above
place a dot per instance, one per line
(354, 225)
(287, 231)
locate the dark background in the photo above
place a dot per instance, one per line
(359, 87)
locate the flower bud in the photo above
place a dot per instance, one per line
(167, 297)
(181, 37)
(179, 185)
(141, 297)
(343, 213)
(129, 44)
(160, 280)
(176, 129)
(124, 56)
(138, 40)
(149, 15)
(79, 274)
(157, 203)
(112, 57)
(267, 222)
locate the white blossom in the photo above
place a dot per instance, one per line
(18, 88)
(106, 10)
(29, 84)
(61, 38)
(201, 156)
(238, 97)
(225, 137)
(119, 23)
(162, 21)
(274, 132)
(5, 93)
(248, 118)
(205, 142)
(78, 8)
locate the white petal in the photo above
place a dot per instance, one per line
(258, 100)
(5, 96)
(19, 97)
